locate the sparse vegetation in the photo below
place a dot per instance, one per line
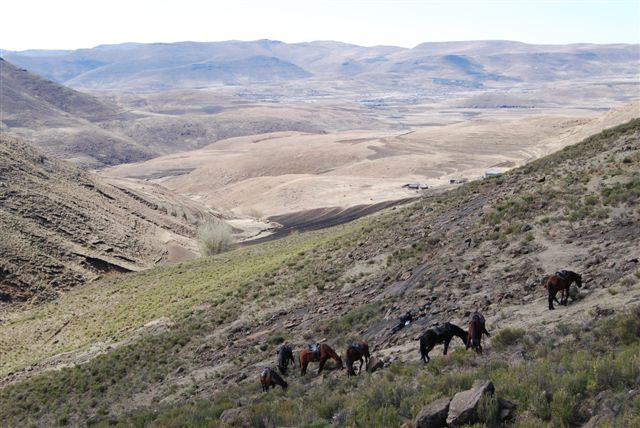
(214, 237)
(575, 374)
(233, 308)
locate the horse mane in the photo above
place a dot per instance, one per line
(331, 353)
(458, 332)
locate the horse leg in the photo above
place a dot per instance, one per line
(426, 354)
(446, 346)
(303, 367)
(360, 369)
(551, 297)
(322, 361)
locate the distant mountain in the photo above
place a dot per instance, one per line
(61, 120)
(63, 226)
(136, 66)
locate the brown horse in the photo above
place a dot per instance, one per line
(475, 332)
(561, 281)
(356, 351)
(438, 334)
(324, 352)
(271, 378)
(284, 355)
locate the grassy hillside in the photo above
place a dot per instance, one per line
(178, 345)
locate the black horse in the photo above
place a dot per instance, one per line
(284, 355)
(438, 334)
(270, 378)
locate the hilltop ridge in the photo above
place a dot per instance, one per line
(62, 121)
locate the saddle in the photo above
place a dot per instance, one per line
(356, 346)
(441, 329)
(563, 274)
(265, 372)
(283, 349)
(314, 348)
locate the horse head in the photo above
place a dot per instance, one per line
(579, 280)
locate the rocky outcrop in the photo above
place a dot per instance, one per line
(463, 408)
(374, 364)
(235, 417)
(433, 415)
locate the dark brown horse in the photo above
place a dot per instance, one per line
(475, 332)
(271, 378)
(356, 351)
(284, 355)
(438, 334)
(324, 352)
(561, 281)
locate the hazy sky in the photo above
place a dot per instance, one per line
(70, 24)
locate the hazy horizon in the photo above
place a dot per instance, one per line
(71, 24)
(310, 41)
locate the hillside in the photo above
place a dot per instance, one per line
(63, 226)
(177, 346)
(62, 121)
(139, 66)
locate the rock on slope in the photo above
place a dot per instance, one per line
(62, 226)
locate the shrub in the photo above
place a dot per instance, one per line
(214, 237)
(507, 337)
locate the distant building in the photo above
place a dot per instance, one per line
(488, 174)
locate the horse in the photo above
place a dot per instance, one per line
(325, 352)
(438, 334)
(271, 378)
(284, 355)
(356, 351)
(475, 331)
(561, 281)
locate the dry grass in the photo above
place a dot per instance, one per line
(214, 237)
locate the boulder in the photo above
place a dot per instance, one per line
(434, 415)
(463, 408)
(374, 364)
(235, 417)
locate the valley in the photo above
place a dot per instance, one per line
(357, 184)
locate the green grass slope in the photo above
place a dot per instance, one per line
(176, 346)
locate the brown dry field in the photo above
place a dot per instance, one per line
(277, 173)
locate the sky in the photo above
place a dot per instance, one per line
(73, 24)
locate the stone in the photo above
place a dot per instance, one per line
(463, 408)
(433, 415)
(235, 417)
(374, 364)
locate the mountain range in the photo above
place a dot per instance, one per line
(155, 66)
